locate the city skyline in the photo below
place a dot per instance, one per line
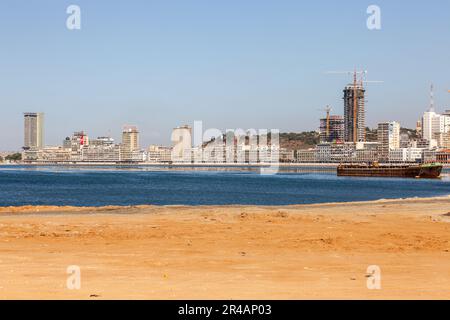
(158, 65)
(430, 141)
(341, 124)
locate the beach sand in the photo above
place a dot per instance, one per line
(294, 252)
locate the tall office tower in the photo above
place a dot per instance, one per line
(130, 142)
(388, 138)
(354, 113)
(33, 130)
(332, 129)
(429, 121)
(182, 144)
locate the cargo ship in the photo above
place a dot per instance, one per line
(426, 171)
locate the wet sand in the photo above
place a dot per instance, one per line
(221, 252)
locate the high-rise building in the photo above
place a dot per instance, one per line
(354, 113)
(33, 130)
(332, 129)
(429, 121)
(434, 125)
(130, 143)
(388, 138)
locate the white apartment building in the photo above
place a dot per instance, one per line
(101, 153)
(366, 152)
(429, 156)
(336, 152)
(434, 125)
(388, 138)
(159, 154)
(306, 156)
(406, 155)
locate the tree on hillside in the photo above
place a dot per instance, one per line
(14, 157)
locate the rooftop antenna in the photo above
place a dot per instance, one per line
(432, 98)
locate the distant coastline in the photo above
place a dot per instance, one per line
(181, 165)
(163, 164)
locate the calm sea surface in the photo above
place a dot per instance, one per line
(99, 186)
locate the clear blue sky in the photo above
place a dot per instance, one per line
(231, 63)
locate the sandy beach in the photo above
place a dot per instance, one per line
(229, 252)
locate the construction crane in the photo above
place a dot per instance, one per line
(361, 82)
(328, 110)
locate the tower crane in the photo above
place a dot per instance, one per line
(328, 110)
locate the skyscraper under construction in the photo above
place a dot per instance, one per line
(354, 113)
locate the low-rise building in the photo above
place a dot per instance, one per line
(48, 154)
(159, 154)
(286, 155)
(429, 156)
(336, 152)
(421, 144)
(101, 153)
(406, 155)
(306, 156)
(443, 156)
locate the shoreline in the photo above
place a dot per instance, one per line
(45, 209)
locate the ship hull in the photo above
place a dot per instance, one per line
(431, 172)
(415, 171)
